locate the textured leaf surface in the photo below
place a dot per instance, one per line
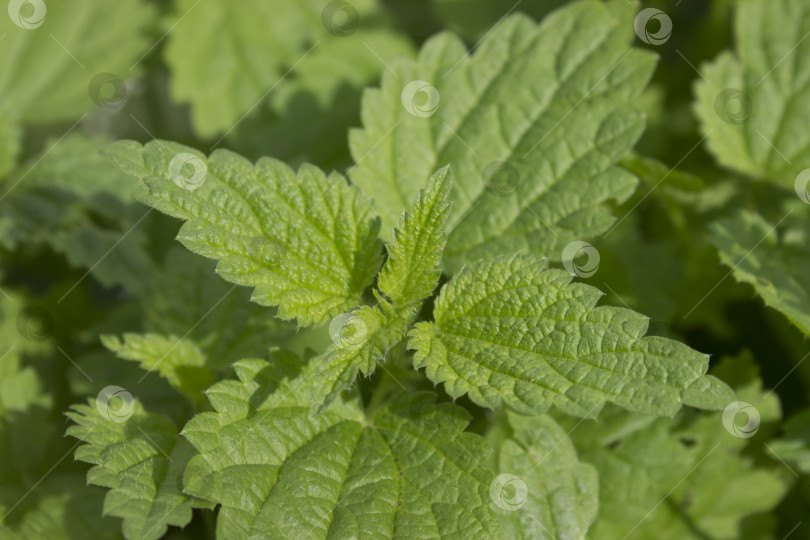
(142, 461)
(46, 72)
(407, 471)
(688, 479)
(511, 330)
(532, 123)
(754, 103)
(412, 269)
(772, 257)
(408, 276)
(307, 243)
(227, 57)
(562, 494)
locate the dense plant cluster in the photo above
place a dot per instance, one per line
(380, 269)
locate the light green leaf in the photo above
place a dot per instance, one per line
(794, 445)
(561, 493)
(708, 393)
(689, 479)
(532, 123)
(46, 72)
(23, 329)
(753, 104)
(409, 275)
(180, 361)
(141, 459)
(412, 269)
(225, 58)
(770, 256)
(305, 242)
(9, 146)
(406, 471)
(511, 330)
(360, 340)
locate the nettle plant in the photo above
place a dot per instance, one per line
(449, 267)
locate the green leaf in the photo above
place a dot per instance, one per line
(179, 361)
(305, 242)
(794, 445)
(66, 509)
(511, 330)
(226, 58)
(186, 298)
(561, 494)
(771, 257)
(47, 72)
(141, 460)
(533, 123)
(407, 471)
(20, 387)
(412, 269)
(753, 104)
(689, 479)
(33, 453)
(91, 219)
(9, 146)
(360, 340)
(409, 275)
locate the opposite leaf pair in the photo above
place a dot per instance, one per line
(506, 328)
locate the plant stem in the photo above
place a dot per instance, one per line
(380, 392)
